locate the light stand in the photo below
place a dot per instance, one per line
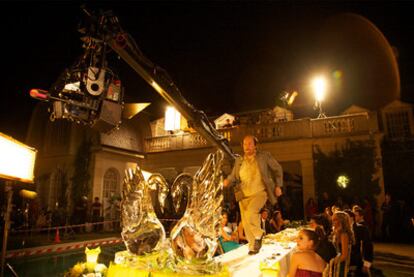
(9, 192)
(319, 86)
(321, 112)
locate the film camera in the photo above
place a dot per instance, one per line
(88, 92)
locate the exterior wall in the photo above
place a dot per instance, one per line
(176, 159)
(102, 161)
(290, 142)
(57, 143)
(284, 151)
(398, 107)
(46, 168)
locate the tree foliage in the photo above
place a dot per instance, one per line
(357, 161)
(398, 161)
(81, 175)
(64, 185)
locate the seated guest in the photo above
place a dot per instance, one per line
(335, 208)
(241, 234)
(328, 215)
(368, 215)
(305, 262)
(311, 208)
(264, 221)
(277, 223)
(343, 238)
(234, 212)
(227, 238)
(321, 220)
(325, 249)
(362, 253)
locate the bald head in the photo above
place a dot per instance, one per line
(249, 145)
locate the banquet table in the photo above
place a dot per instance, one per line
(241, 264)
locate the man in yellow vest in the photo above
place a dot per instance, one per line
(260, 177)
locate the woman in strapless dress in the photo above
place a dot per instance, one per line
(305, 262)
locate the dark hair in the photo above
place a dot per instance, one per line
(264, 209)
(320, 232)
(350, 213)
(310, 199)
(313, 236)
(359, 210)
(318, 218)
(274, 214)
(322, 221)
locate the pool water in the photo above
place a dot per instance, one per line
(59, 263)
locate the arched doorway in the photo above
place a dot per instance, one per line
(111, 194)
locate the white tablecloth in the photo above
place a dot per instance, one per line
(241, 264)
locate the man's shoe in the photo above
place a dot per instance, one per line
(252, 252)
(258, 244)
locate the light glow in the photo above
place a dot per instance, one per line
(28, 194)
(292, 98)
(342, 181)
(156, 87)
(319, 86)
(92, 257)
(146, 174)
(17, 160)
(172, 119)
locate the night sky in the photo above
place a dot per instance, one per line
(225, 56)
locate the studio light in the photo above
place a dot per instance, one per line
(319, 87)
(17, 160)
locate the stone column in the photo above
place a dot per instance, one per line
(308, 179)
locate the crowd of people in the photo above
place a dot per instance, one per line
(392, 221)
(337, 232)
(232, 233)
(339, 235)
(32, 216)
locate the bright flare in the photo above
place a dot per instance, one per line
(17, 160)
(92, 257)
(342, 181)
(146, 174)
(172, 119)
(319, 85)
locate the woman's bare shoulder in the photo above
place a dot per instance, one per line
(302, 253)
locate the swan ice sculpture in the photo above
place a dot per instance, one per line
(142, 232)
(194, 237)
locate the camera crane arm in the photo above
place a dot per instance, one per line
(126, 48)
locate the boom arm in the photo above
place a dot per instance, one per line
(157, 77)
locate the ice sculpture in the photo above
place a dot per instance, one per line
(194, 237)
(142, 232)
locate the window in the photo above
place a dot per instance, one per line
(111, 183)
(398, 124)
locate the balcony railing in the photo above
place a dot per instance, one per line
(346, 125)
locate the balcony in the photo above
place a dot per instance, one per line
(346, 125)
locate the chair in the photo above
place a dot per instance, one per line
(326, 271)
(219, 249)
(329, 269)
(334, 270)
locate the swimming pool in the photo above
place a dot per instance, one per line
(59, 263)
